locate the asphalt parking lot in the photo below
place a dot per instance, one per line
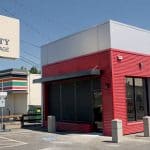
(25, 139)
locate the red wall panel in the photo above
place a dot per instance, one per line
(128, 66)
(112, 83)
(101, 60)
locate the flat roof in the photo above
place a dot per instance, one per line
(13, 71)
(110, 34)
(108, 21)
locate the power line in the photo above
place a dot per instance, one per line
(29, 54)
(24, 41)
(26, 61)
(49, 20)
(25, 23)
(22, 58)
(29, 61)
(29, 43)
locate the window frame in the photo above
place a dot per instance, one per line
(145, 98)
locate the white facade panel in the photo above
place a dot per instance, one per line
(103, 36)
(16, 104)
(9, 108)
(130, 38)
(82, 43)
(73, 46)
(111, 34)
(44, 54)
(20, 103)
(34, 94)
(9, 37)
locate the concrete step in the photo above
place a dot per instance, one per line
(12, 125)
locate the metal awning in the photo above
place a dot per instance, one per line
(91, 72)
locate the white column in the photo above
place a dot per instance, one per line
(116, 130)
(146, 121)
(51, 124)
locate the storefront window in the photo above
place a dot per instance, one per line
(130, 99)
(72, 100)
(135, 94)
(139, 98)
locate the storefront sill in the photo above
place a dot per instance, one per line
(135, 122)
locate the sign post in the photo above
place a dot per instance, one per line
(9, 48)
(3, 96)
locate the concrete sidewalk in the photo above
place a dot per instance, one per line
(38, 140)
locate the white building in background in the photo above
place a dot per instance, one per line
(22, 92)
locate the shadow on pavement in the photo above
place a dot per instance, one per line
(37, 127)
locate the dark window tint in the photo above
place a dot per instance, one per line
(83, 100)
(67, 94)
(139, 98)
(72, 100)
(130, 99)
(54, 101)
(136, 98)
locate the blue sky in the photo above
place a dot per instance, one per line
(43, 21)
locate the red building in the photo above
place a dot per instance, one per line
(97, 75)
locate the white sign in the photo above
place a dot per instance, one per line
(3, 95)
(9, 37)
(2, 102)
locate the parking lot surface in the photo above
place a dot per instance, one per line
(25, 139)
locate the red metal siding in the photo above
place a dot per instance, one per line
(112, 83)
(101, 60)
(74, 127)
(128, 66)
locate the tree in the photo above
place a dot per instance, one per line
(34, 70)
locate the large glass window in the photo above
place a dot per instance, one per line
(136, 97)
(72, 100)
(54, 102)
(84, 101)
(67, 98)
